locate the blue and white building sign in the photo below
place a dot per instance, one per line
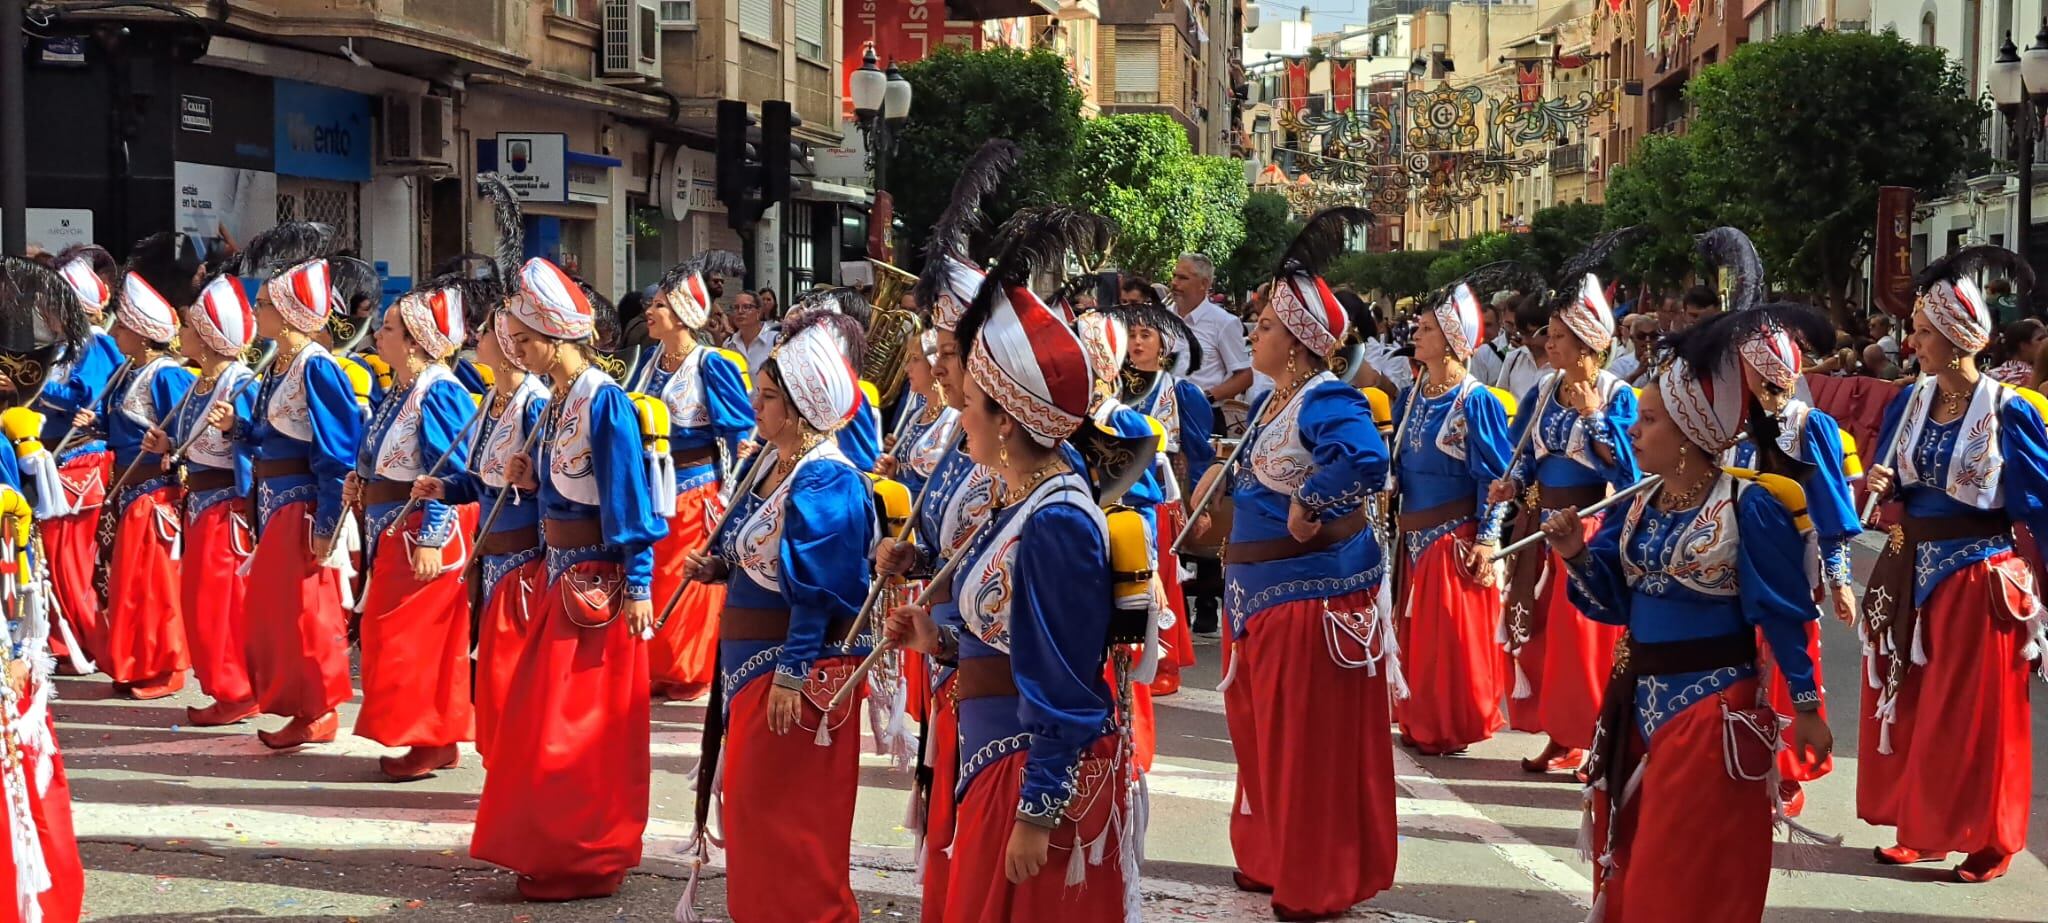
(322, 132)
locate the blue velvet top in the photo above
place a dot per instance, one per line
(79, 387)
(445, 410)
(2024, 477)
(1773, 593)
(337, 425)
(1429, 477)
(828, 523)
(1197, 425)
(860, 440)
(725, 398)
(463, 485)
(625, 512)
(1607, 428)
(124, 436)
(1348, 462)
(193, 416)
(1829, 500)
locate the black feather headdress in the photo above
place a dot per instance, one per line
(40, 320)
(1971, 261)
(1175, 336)
(953, 233)
(352, 279)
(169, 262)
(1498, 276)
(510, 221)
(1590, 260)
(281, 248)
(841, 309)
(1033, 239)
(1730, 249)
(1321, 240)
(724, 264)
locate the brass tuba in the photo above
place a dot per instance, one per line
(892, 332)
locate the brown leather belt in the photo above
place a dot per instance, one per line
(509, 541)
(198, 479)
(691, 458)
(573, 533)
(281, 467)
(376, 492)
(739, 623)
(1334, 533)
(1425, 520)
(983, 678)
(1557, 498)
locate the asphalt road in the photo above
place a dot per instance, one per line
(189, 825)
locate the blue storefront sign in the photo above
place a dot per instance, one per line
(322, 132)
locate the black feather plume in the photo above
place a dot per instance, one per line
(1503, 275)
(724, 264)
(1324, 237)
(39, 314)
(352, 279)
(1730, 249)
(1176, 337)
(953, 233)
(169, 262)
(283, 247)
(1589, 260)
(1971, 261)
(1033, 239)
(506, 214)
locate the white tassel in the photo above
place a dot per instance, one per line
(661, 479)
(1599, 914)
(1099, 849)
(1230, 673)
(1920, 642)
(1870, 673)
(1584, 844)
(1132, 852)
(1141, 818)
(1077, 864)
(1522, 688)
(1390, 644)
(686, 908)
(824, 737)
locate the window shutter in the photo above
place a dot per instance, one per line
(757, 18)
(1137, 70)
(810, 27)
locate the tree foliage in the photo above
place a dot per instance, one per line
(1657, 189)
(1558, 233)
(1398, 274)
(1268, 227)
(1138, 170)
(963, 98)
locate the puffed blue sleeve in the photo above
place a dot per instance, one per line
(1197, 427)
(732, 410)
(627, 516)
(445, 412)
(1520, 466)
(860, 440)
(1607, 428)
(166, 391)
(1059, 623)
(827, 525)
(2024, 443)
(1597, 584)
(1828, 498)
(1486, 453)
(1888, 433)
(1350, 458)
(337, 432)
(1777, 597)
(80, 389)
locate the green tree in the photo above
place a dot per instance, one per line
(1657, 189)
(966, 97)
(1798, 133)
(1397, 274)
(1479, 250)
(1139, 171)
(1559, 232)
(1268, 227)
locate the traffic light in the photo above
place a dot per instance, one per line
(752, 177)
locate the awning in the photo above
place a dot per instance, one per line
(816, 190)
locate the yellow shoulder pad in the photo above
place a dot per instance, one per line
(1852, 463)
(2033, 397)
(654, 421)
(16, 515)
(1382, 407)
(358, 380)
(376, 364)
(1130, 553)
(1158, 429)
(874, 397)
(1787, 491)
(739, 361)
(1508, 403)
(485, 374)
(892, 500)
(23, 427)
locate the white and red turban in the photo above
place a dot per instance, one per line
(1589, 316)
(818, 378)
(552, 303)
(303, 294)
(434, 318)
(957, 283)
(1032, 364)
(222, 316)
(1461, 321)
(145, 311)
(1310, 311)
(1107, 339)
(1774, 355)
(85, 282)
(1957, 308)
(1708, 409)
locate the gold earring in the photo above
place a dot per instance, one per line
(1002, 454)
(1683, 455)
(1955, 361)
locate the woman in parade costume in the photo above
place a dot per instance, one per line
(1311, 661)
(146, 653)
(415, 628)
(218, 537)
(709, 416)
(1579, 449)
(1042, 828)
(41, 875)
(926, 418)
(69, 518)
(1160, 339)
(577, 713)
(304, 429)
(1453, 444)
(1695, 568)
(861, 438)
(1944, 753)
(798, 571)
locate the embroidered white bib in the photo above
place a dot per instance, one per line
(572, 466)
(290, 410)
(683, 392)
(507, 434)
(989, 584)
(399, 455)
(759, 540)
(1703, 559)
(1977, 464)
(135, 402)
(1279, 459)
(212, 448)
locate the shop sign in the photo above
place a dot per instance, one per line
(535, 165)
(322, 132)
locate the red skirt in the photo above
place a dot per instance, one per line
(1697, 843)
(917, 685)
(789, 803)
(1314, 813)
(1144, 724)
(942, 754)
(415, 639)
(1525, 712)
(1790, 766)
(574, 806)
(1453, 661)
(51, 809)
(501, 636)
(297, 631)
(682, 657)
(1578, 655)
(145, 624)
(73, 546)
(216, 546)
(981, 892)
(1960, 774)
(1179, 639)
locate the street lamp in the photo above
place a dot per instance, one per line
(2019, 85)
(881, 104)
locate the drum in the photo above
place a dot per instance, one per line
(1234, 411)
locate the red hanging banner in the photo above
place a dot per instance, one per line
(1343, 84)
(1891, 283)
(1297, 84)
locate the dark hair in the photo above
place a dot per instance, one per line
(2016, 336)
(1700, 296)
(1363, 321)
(1764, 429)
(1530, 313)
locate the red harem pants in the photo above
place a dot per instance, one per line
(1314, 813)
(1697, 843)
(1578, 655)
(573, 807)
(680, 659)
(145, 623)
(297, 631)
(1525, 712)
(217, 544)
(1144, 722)
(1177, 640)
(942, 754)
(415, 639)
(74, 554)
(789, 803)
(1790, 766)
(981, 892)
(51, 808)
(508, 611)
(1960, 773)
(1453, 663)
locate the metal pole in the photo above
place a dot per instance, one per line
(2029, 119)
(13, 131)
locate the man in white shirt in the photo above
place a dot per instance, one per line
(752, 335)
(1226, 369)
(1486, 361)
(1525, 365)
(1632, 352)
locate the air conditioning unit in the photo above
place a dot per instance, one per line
(419, 131)
(632, 40)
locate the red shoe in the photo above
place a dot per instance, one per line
(1900, 855)
(1793, 795)
(1982, 866)
(570, 887)
(1554, 758)
(1245, 883)
(220, 714)
(420, 762)
(300, 732)
(143, 692)
(681, 692)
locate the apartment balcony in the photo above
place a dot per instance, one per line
(418, 35)
(981, 10)
(1566, 159)
(1175, 13)
(1071, 10)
